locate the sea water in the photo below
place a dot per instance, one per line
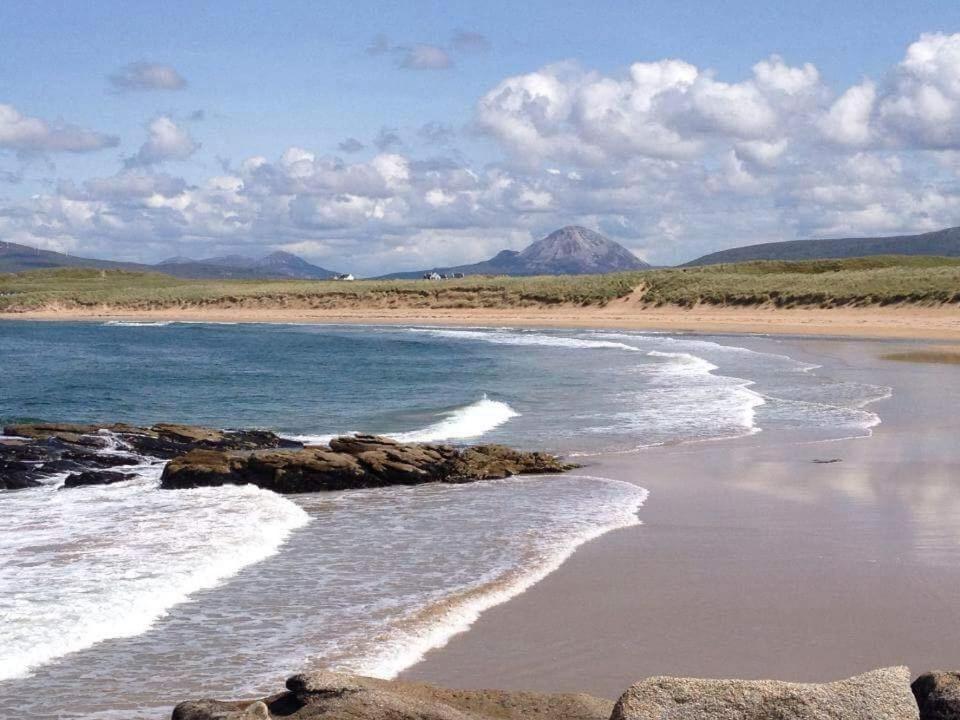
(117, 601)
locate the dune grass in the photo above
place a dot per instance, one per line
(815, 283)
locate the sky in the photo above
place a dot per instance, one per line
(376, 137)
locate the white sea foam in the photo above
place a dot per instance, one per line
(471, 421)
(464, 423)
(83, 565)
(135, 323)
(405, 644)
(499, 337)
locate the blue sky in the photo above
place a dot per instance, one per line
(203, 128)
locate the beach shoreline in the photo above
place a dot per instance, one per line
(900, 322)
(757, 557)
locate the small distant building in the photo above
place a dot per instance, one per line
(344, 276)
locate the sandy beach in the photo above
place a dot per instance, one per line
(755, 558)
(903, 322)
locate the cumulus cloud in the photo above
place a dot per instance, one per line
(28, 135)
(144, 75)
(165, 141)
(848, 120)
(669, 158)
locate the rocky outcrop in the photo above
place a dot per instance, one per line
(357, 461)
(878, 695)
(332, 696)
(30, 452)
(938, 695)
(163, 440)
(205, 457)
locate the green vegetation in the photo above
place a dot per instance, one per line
(817, 283)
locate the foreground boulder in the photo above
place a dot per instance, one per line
(358, 461)
(878, 695)
(938, 695)
(333, 696)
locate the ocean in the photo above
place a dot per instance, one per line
(118, 601)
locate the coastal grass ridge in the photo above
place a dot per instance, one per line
(853, 282)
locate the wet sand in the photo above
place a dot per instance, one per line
(753, 560)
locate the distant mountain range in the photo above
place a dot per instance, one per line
(571, 250)
(945, 243)
(275, 266)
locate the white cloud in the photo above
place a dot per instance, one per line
(668, 158)
(166, 141)
(27, 134)
(147, 76)
(847, 122)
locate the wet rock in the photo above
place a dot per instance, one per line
(16, 475)
(95, 477)
(353, 462)
(878, 695)
(163, 440)
(332, 696)
(938, 695)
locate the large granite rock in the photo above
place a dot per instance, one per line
(332, 696)
(877, 695)
(357, 461)
(938, 695)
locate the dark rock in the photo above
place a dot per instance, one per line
(352, 462)
(332, 696)
(163, 440)
(16, 475)
(95, 477)
(877, 695)
(938, 695)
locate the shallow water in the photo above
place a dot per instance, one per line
(224, 591)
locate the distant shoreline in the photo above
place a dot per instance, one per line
(896, 322)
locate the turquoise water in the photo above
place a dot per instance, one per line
(224, 591)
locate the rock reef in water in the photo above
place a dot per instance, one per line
(883, 694)
(201, 457)
(30, 452)
(359, 461)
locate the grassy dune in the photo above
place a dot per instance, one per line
(816, 283)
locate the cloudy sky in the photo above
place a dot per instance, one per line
(373, 137)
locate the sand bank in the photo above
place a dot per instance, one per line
(905, 322)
